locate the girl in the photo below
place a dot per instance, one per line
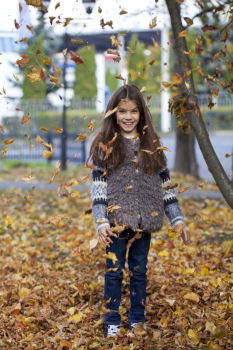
(130, 193)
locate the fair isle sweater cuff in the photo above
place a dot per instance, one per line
(171, 205)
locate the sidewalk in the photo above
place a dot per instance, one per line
(12, 185)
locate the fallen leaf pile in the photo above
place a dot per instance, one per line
(51, 278)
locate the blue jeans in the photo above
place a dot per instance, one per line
(137, 261)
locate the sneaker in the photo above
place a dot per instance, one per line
(111, 330)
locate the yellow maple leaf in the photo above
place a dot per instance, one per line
(192, 296)
(112, 256)
(33, 77)
(163, 253)
(76, 317)
(194, 336)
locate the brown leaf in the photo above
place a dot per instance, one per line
(29, 28)
(227, 155)
(163, 148)
(111, 208)
(183, 34)
(208, 27)
(51, 19)
(24, 60)
(26, 119)
(67, 21)
(99, 9)
(74, 56)
(57, 5)
(44, 129)
(188, 20)
(58, 130)
(118, 76)
(110, 112)
(104, 24)
(123, 12)
(33, 77)
(113, 52)
(9, 141)
(153, 23)
(17, 26)
(81, 137)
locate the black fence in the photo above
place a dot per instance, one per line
(26, 148)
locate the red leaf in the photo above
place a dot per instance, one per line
(207, 27)
(74, 56)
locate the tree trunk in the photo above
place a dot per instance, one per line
(185, 161)
(192, 110)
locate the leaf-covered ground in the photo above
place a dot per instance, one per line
(51, 282)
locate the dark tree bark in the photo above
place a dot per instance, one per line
(191, 110)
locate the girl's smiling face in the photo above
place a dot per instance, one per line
(128, 116)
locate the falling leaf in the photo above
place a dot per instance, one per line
(17, 26)
(163, 148)
(58, 130)
(29, 28)
(33, 77)
(227, 155)
(153, 23)
(123, 12)
(192, 296)
(104, 24)
(15, 76)
(44, 129)
(111, 208)
(77, 41)
(24, 60)
(112, 256)
(143, 89)
(170, 186)
(154, 213)
(46, 60)
(9, 141)
(208, 27)
(51, 19)
(48, 154)
(147, 151)
(2, 128)
(67, 21)
(110, 112)
(99, 9)
(183, 34)
(115, 41)
(118, 76)
(57, 5)
(91, 125)
(26, 119)
(188, 20)
(215, 92)
(225, 37)
(183, 189)
(81, 137)
(166, 84)
(113, 52)
(179, 1)
(74, 56)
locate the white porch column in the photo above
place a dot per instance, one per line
(165, 115)
(100, 77)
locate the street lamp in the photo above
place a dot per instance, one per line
(89, 5)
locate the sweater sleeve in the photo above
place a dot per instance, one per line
(99, 198)
(171, 205)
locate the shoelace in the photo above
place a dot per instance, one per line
(112, 329)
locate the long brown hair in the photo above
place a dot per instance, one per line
(109, 140)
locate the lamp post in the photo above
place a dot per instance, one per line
(64, 114)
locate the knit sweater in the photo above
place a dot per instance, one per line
(130, 197)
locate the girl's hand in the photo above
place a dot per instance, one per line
(104, 235)
(180, 228)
